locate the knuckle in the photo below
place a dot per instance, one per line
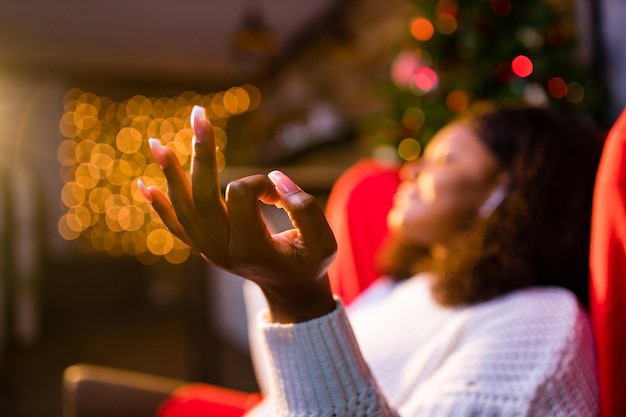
(204, 154)
(308, 203)
(238, 189)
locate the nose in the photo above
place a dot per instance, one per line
(411, 170)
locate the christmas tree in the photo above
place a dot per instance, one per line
(456, 53)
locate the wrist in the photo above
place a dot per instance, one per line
(301, 303)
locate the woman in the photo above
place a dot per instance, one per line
(500, 202)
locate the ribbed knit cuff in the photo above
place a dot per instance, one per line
(318, 368)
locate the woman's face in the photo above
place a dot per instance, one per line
(441, 192)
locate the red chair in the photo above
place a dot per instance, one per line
(357, 210)
(204, 400)
(608, 271)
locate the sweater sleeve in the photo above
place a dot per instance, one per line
(318, 370)
(525, 354)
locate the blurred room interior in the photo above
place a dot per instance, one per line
(87, 274)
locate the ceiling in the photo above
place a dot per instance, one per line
(147, 39)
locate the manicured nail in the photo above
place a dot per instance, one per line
(144, 190)
(283, 183)
(158, 152)
(198, 123)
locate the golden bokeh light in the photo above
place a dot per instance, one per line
(83, 149)
(97, 199)
(67, 126)
(129, 140)
(64, 229)
(102, 155)
(87, 175)
(160, 241)
(179, 252)
(72, 194)
(409, 149)
(66, 153)
(104, 152)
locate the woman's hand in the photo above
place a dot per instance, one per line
(290, 267)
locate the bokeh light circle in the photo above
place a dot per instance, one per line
(409, 149)
(422, 29)
(522, 66)
(160, 241)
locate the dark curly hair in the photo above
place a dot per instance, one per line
(539, 234)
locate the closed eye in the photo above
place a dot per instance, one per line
(441, 158)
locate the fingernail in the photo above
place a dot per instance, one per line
(283, 183)
(144, 190)
(198, 123)
(157, 152)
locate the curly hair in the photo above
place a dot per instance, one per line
(539, 234)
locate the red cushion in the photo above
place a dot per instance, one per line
(608, 271)
(205, 400)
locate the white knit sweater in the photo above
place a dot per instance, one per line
(529, 353)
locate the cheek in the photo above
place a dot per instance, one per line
(424, 226)
(442, 207)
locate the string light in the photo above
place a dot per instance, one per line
(105, 150)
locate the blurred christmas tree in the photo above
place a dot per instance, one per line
(456, 53)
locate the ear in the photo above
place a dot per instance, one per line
(497, 195)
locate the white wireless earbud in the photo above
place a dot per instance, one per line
(493, 201)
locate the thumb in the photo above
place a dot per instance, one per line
(304, 211)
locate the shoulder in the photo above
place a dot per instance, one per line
(545, 320)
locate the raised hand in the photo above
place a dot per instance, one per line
(290, 267)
